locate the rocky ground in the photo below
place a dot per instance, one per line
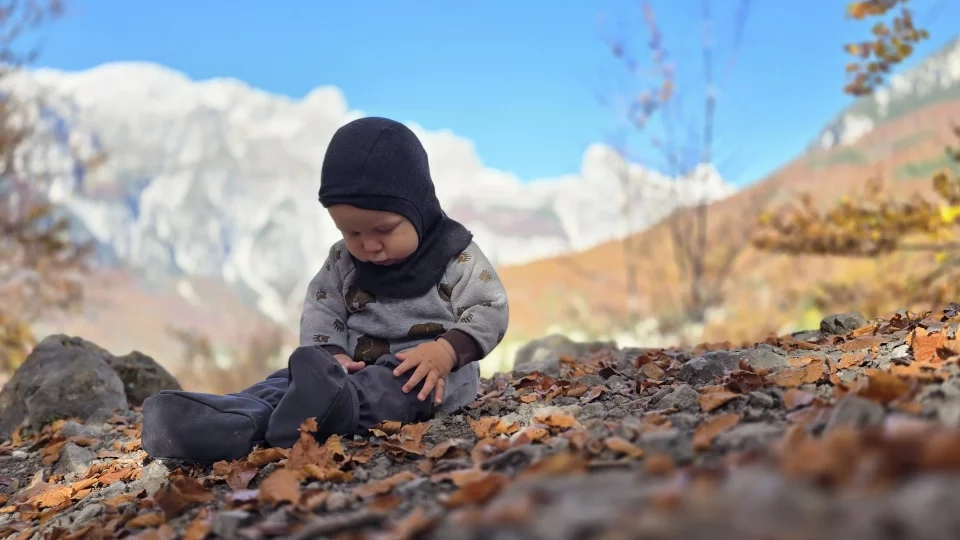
(847, 432)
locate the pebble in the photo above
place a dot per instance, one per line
(154, 476)
(337, 500)
(73, 459)
(857, 412)
(683, 398)
(227, 523)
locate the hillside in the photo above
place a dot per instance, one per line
(905, 150)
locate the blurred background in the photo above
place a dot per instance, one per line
(655, 173)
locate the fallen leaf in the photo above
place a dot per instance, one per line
(461, 477)
(307, 451)
(448, 448)
(51, 453)
(477, 492)
(385, 503)
(619, 445)
(576, 390)
(849, 360)
(881, 386)
(489, 426)
(324, 474)
(793, 377)
(314, 498)
(794, 398)
(281, 486)
(712, 400)
(409, 439)
(593, 393)
(46, 495)
(153, 519)
(652, 371)
(386, 428)
(863, 342)
(200, 527)
(557, 419)
(528, 398)
(659, 464)
(262, 456)
(174, 497)
(119, 475)
(530, 434)
(710, 428)
(367, 491)
(238, 474)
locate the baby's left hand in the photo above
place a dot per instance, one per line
(434, 360)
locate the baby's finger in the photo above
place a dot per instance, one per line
(415, 379)
(438, 393)
(406, 365)
(354, 367)
(428, 386)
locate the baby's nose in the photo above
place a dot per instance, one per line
(371, 245)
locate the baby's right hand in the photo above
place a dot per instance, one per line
(348, 364)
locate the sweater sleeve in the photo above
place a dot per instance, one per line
(480, 306)
(324, 318)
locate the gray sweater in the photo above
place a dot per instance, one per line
(468, 308)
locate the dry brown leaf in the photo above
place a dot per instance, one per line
(593, 393)
(152, 519)
(461, 477)
(849, 360)
(881, 386)
(238, 474)
(710, 428)
(46, 495)
(557, 419)
(793, 377)
(384, 486)
(529, 397)
(281, 486)
(652, 371)
(409, 439)
(619, 445)
(794, 398)
(863, 342)
(312, 499)
(324, 474)
(174, 497)
(530, 434)
(713, 400)
(200, 527)
(478, 491)
(385, 503)
(386, 428)
(16, 438)
(559, 464)
(490, 426)
(119, 475)
(307, 451)
(262, 456)
(449, 448)
(576, 390)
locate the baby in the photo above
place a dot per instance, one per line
(393, 324)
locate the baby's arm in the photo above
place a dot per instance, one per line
(324, 318)
(480, 305)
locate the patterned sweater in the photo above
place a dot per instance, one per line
(468, 308)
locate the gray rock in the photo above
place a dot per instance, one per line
(749, 435)
(676, 443)
(154, 476)
(842, 323)
(142, 376)
(74, 429)
(337, 500)
(857, 412)
(761, 399)
(765, 357)
(227, 523)
(684, 398)
(73, 459)
(62, 377)
(707, 368)
(114, 489)
(88, 513)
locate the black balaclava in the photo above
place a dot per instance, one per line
(379, 164)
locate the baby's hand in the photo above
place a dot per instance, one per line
(348, 364)
(434, 360)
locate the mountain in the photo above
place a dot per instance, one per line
(933, 80)
(216, 179)
(899, 134)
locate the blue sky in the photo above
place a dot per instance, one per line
(523, 80)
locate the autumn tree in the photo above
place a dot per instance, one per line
(41, 266)
(876, 223)
(653, 110)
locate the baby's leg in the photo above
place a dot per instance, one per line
(199, 427)
(318, 388)
(380, 395)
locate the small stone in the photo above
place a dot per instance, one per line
(594, 409)
(749, 435)
(542, 412)
(761, 399)
(227, 523)
(900, 351)
(360, 474)
(684, 398)
(88, 513)
(19, 454)
(857, 412)
(142, 376)
(673, 442)
(76, 429)
(381, 468)
(73, 459)
(707, 368)
(407, 489)
(684, 420)
(842, 323)
(337, 500)
(154, 476)
(114, 489)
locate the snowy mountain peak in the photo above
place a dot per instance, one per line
(217, 178)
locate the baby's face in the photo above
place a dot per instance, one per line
(373, 236)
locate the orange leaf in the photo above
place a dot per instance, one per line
(794, 399)
(709, 429)
(558, 419)
(881, 386)
(619, 445)
(792, 377)
(153, 519)
(281, 486)
(712, 400)
(383, 486)
(477, 492)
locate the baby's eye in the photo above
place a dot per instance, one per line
(354, 234)
(386, 230)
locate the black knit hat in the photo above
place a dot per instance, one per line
(379, 164)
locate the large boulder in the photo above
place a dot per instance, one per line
(142, 376)
(62, 377)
